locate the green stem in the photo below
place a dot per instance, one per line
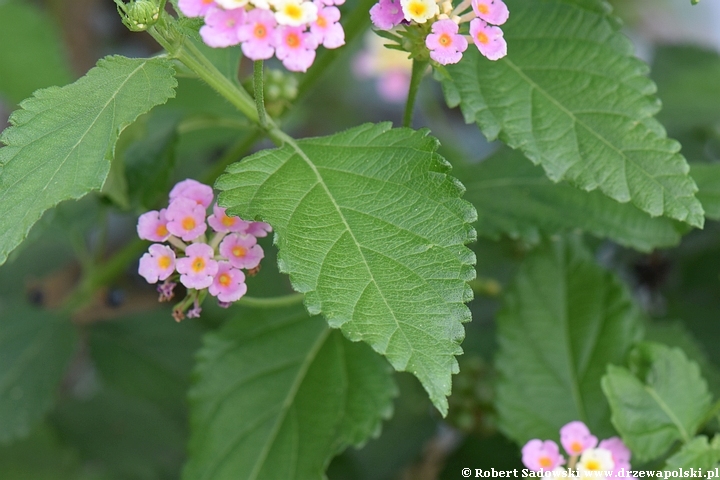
(418, 71)
(258, 86)
(272, 302)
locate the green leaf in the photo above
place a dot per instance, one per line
(278, 394)
(39, 457)
(62, 139)
(35, 349)
(707, 176)
(563, 320)
(32, 56)
(515, 198)
(370, 227)
(699, 453)
(663, 399)
(573, 98)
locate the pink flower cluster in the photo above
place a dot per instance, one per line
(199, 264)
(445, 42)
(609, 459)
(289, 29)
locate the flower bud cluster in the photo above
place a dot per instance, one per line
(609, 459)
(202, 266)
(289, 29)
(441, 24)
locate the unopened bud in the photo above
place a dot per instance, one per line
(139, 15)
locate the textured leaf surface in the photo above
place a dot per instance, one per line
(515, 198)
(32, 56)
(663, 399)
(699, 453)
(563, 320)
(572, 97)
(371, 228)
(35, 349)
(278, 394)
(62, 139)
(707, 176)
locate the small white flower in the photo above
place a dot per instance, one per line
(231, 4)
(593, 462)
(419, 11)
(295, 13)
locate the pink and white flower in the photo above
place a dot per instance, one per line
(386, 14)
(228, 284)
(221, 30)
(327, 29)
(195, 8)
(488, 39)
(295, 48)
(445, 45)
(157, 264)
(186, 219)
(492, 11)
(152, 226)
(194, 190)
(258, 229)
(419, 11)
(220, 222)
(241, 250)
(538, 455)
(258, 34)
(198, 268)
(576, 438)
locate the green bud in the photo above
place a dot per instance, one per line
(139, 15)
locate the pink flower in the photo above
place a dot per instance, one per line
(220, 222)
(186, 219)
(492, 11)
(620, 453)
(229, 283)
(576, 438)
(327, 29)
(386, 14)
(258, 229)
(195, 8)
(331, 2)
(241, 250)
(538, 455)
(257, 34)
(158, 264)
(221, 28)
(153, 226)
(445, 45)
(488, 39)
(198, 268)
(194, 190)
(295, 48)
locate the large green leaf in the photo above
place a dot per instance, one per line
(573, 98)
(563, 320)
(278, 394)
(515, 198)
(371, 228)
(707, 176)
(699, 453)
(62, 139)
(32, 56)
(35, 349)
(663, 399)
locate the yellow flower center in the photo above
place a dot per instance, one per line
(293, 11)
(227, 221)
(224, 279)
(259, 31)
(164, 262)
(292, 40)
(321, 22)
(592, 465)
(482, 38)
(445, 40)
(161, 230)
(417, 8)
(576, 447)
(198, 265)
(238, 251)
(483, 8)
(188, 223)
(545, 462)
